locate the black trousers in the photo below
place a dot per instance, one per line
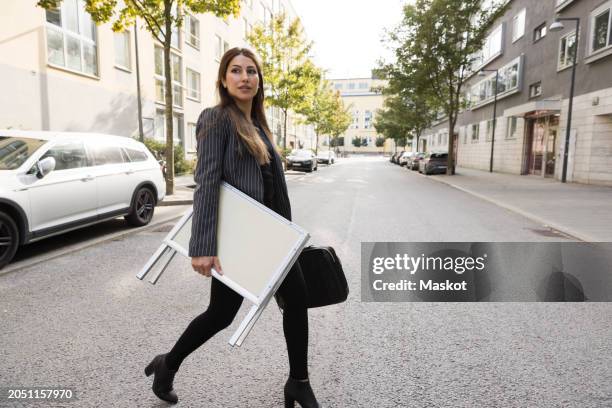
(223, 307)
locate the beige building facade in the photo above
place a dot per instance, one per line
(65, 73)
(363, 100)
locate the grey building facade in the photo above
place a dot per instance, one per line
(535, 67)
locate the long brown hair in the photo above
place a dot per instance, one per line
(246, 131)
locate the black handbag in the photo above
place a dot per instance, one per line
(324, 277)
(325, 280)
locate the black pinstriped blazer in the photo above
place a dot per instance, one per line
(222, 156)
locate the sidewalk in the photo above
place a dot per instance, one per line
(583, 211)
(183, 192)
(183, 189)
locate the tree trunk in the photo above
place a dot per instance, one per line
(285, 129)
(317, 143)
(168, 99)
(450, 169)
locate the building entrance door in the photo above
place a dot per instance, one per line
(541, 146)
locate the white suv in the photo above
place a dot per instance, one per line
(53, 182)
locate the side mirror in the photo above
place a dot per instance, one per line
(45, 166)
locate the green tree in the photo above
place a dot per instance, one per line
(409, 103)
(380, 141)
(341, 118)
(160, 17)
(390, 120)
(326, 112)
(437, 43)
(291, 77)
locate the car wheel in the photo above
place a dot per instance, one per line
(9, 239)
(142, 209)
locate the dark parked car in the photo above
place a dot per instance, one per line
(434, 163)
(302, 160)
(413, 162)
(396, 156)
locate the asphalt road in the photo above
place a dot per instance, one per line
(84, 321)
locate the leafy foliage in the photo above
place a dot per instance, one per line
(291, 77)
(435, 48)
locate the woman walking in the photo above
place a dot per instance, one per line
(235, 145)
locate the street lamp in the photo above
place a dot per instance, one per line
(482, 73)
(557, 25)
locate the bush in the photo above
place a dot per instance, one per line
(181, 165)
(380, 141)
(357, 142)
(337, 141)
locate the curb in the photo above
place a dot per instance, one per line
(567, 231)
(7, 269)
(170, 203)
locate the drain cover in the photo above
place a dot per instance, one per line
(549, 232)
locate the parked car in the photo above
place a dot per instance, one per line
(433, 163)
(53, 182)
(403, 159)
(396, 156)
(413, 162)
(302, 160)
(326, 156)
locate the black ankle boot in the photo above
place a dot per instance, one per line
(162, 382)
(300, 392)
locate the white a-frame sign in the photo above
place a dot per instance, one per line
(256, 248)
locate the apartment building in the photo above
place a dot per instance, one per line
(62, 72)
(535, 67)
(362, 98)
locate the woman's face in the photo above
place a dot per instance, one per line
(241, 79)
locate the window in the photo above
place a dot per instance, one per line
(177, 77)
(122, 50)
(71, 38)
(567, 49)
(512, 128)
(463, 131)
(191, 137)
(68, 155)
(535, 89)
(489, 135)
(475, 132)
(107, 155)
(601, 27)
(338, 86)
(440, 138)
(367, 120)
(492, 48)
(539, 32)
(193, 84)
(363, 85)
(351, 85)
(192, 31)
(136, 155)
(355, 124)
(509, 81)
(518, 25)
(560, 4)
(160, 127)
(218, 48)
